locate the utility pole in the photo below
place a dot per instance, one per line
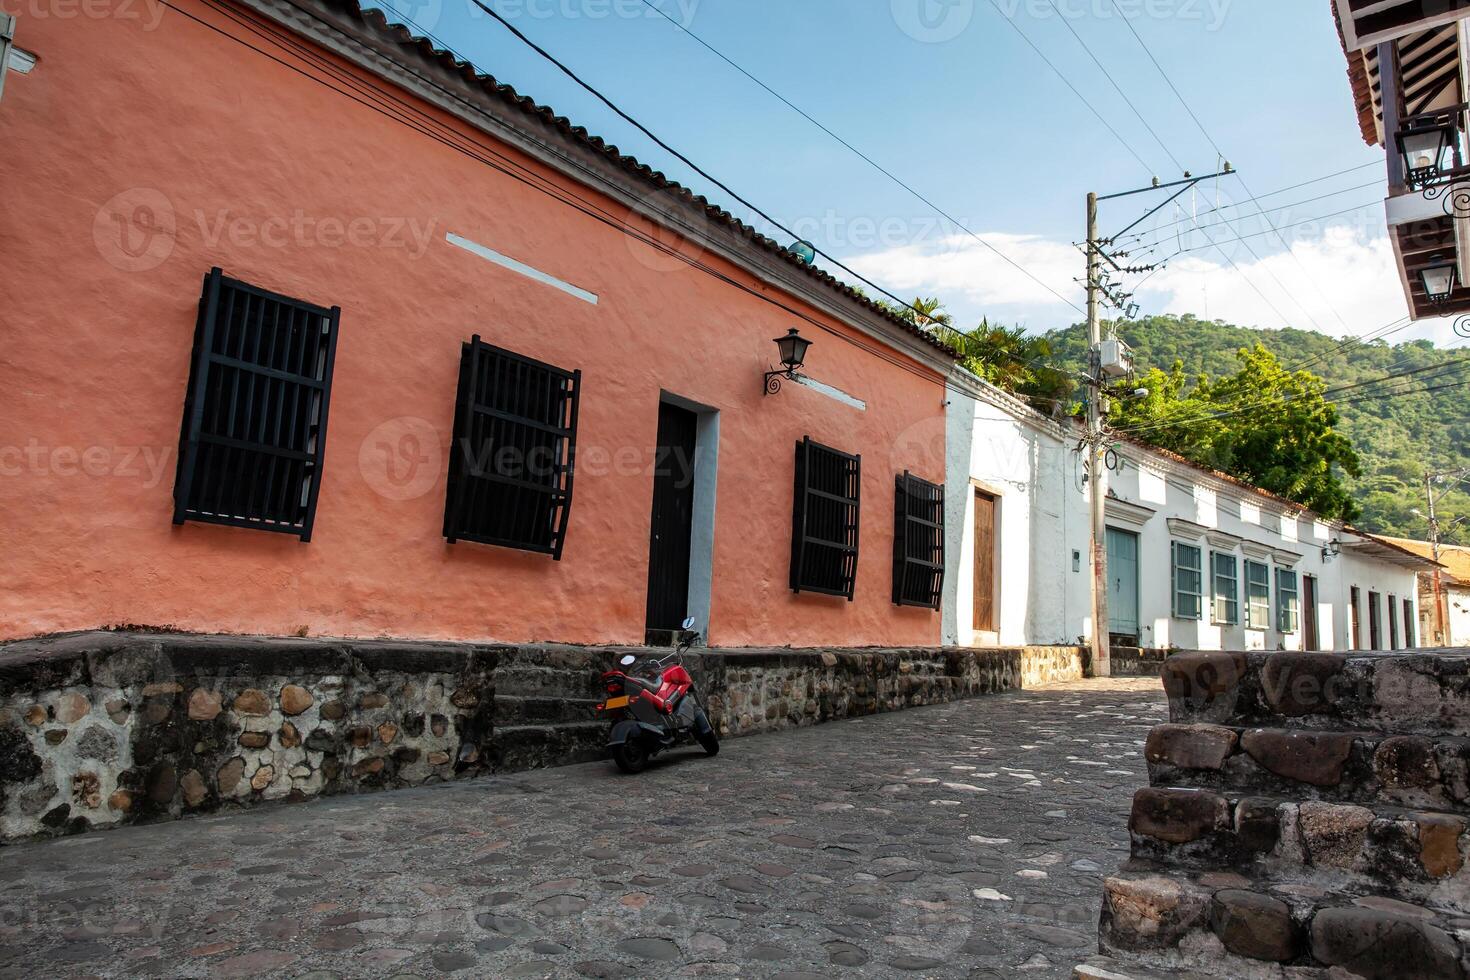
(1102, 658)
(1098, 289)
(1441, 612)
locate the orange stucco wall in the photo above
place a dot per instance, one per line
(289, 185)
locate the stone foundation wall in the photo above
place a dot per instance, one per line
(1307, 811)
(102, 729)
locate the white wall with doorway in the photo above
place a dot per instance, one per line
(1004, 457)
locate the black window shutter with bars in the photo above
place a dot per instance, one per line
(824, 528)
(515, 439)
(255, 415)
(918, 542)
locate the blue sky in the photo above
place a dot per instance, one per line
(948, 96)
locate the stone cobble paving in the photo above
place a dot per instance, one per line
(962, 840)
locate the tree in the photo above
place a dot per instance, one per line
(1014, 361)
(1263, 424)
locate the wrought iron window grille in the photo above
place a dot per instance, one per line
(255, 414)
(511, 462)
(918, 542)
(824, 530)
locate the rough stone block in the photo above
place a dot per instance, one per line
(1258, 824)
(1203, 684)
(1406, 762)
(1150, 912)
(1190, 746)
(1309, 757)
(1178, 816)
(1255, 925)
(1439, 843)
(1334, 834)
(295, 699)
(1297, 684)
(1374, 944)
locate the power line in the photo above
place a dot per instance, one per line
(1067, 23)
(1283, 207)
(1075, 91)
(1246, 187)
(1352, 343)
(1327, 393)
(1282, 190)
(1259, 234)
(865, 157)
(548, 56)
(379, 102)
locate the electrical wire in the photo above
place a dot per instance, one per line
(593, 91)
(1284, 207)
(865, 157)
(1067, 23)
(396, 111)
(1327, 393)
(1075, 91)
(1244, 186)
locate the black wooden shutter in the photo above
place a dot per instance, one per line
(824, 528)
(255, 415)
(918, 542)
(515, 438)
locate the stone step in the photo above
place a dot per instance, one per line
(533, 680)
(1226, 924)
(1344, 766)
(518, 710)
(1107, 968)
(1403, 693)
(1416, 856)
(516, 747)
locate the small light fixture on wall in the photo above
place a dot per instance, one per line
(1331, 550)
(792, 348)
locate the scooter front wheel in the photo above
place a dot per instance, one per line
(631, 756)
(705, 733)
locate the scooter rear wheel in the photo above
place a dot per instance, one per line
(631, 756)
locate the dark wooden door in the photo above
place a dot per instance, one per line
(1375, 638)
(673, 519)
(1310, 640)
(984, 561)
(1355, 618)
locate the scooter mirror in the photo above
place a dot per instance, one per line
(628, 660)
(688, 622)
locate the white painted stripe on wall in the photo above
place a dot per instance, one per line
(505, 261)
(836, 394)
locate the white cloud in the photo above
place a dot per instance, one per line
(1342, 276)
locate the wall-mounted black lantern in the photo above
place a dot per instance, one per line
(792, 349)
(1438, 279)
(1331, 550)
(1423, 143)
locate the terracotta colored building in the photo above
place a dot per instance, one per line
(309, 328)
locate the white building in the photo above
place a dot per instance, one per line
(1196, 559)
(1453, 596)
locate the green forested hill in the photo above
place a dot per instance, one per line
(1399, 436)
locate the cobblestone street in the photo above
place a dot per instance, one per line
(965, 840)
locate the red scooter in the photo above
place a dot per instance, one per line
(654, 706)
